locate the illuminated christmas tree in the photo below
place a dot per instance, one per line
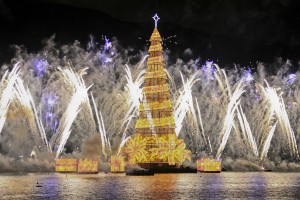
(155, 140)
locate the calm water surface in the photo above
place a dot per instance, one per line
(227, 185)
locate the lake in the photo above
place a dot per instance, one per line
(226, 185)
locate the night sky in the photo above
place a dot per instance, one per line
(230, 31)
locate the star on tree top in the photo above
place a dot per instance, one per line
(156, 18)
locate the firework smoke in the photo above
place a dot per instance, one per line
(226, 122)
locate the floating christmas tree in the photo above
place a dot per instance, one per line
(155, 140)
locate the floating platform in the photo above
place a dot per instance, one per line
(138, 172)
(209, 165)
(87, 172)
(165, 168)
(209, 172)
(71, 165)
(117, 172)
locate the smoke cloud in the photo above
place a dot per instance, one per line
(91, 147)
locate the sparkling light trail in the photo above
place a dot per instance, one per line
(243, 122)
(6, 92)
(25, 99)
(104, 140)
(277, 104)
(184, 102)
(79, 97)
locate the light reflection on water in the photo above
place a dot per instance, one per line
(231, 185)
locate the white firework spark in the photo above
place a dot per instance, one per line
(229, 118)
(104, 140)
(277, 104)
(6, 92)
(184, 103)
(25, 99)
(243, 122)
(134, 90)
(202, 128)
(79, 97)
(123, 142)
(267, 142)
